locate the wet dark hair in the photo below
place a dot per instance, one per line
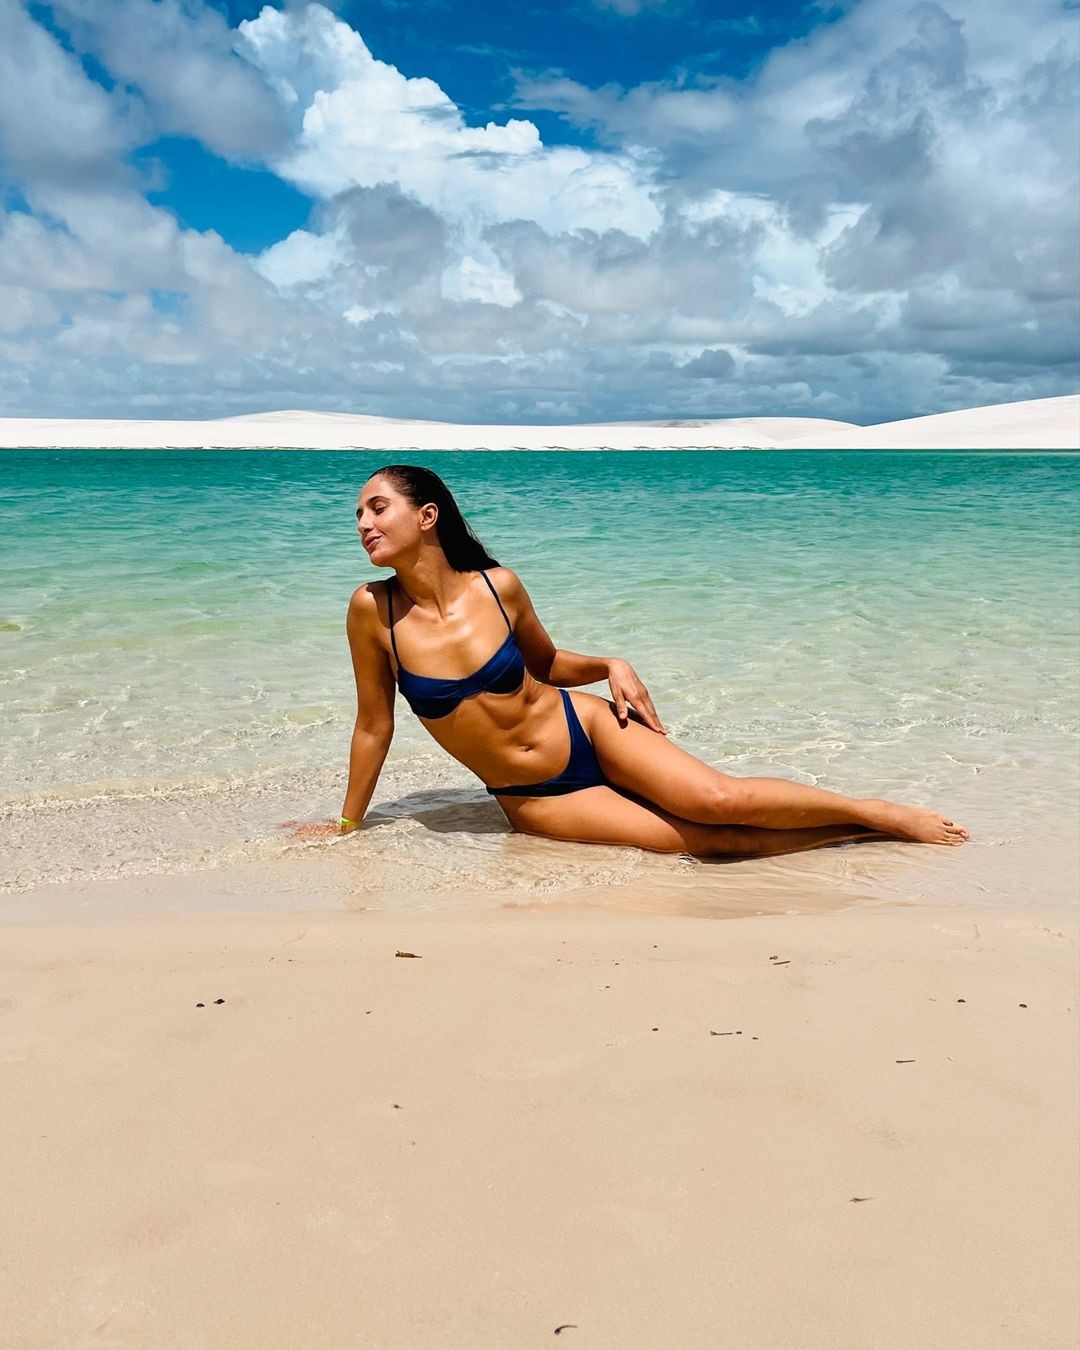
(464, 552)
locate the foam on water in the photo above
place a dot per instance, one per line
(174, 678)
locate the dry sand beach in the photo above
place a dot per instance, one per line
(852, 1129)
(596, 1120)
(1039, 424)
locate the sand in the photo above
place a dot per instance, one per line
(339, 431)
(832, 1130)
(1038, 424)
(1048, 424)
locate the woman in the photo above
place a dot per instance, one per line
(458, 635)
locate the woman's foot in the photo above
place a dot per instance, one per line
(913, 822)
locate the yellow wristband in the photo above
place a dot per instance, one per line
(351, 823)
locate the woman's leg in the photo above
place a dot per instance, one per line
(602, 815)
(650, 766)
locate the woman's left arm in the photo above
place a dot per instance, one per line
(566, 669)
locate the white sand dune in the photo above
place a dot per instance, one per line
(1050, 424)
(341, 431)
(1038, 424)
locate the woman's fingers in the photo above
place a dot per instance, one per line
(627, 690)
(651, 716)
(648, 714)
(640, 699)
(643, 704)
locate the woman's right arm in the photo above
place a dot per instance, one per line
(374, 729)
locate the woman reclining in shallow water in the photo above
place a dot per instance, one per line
(459, 636)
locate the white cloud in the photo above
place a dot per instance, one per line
(484, 280)
(880, 222)
(55, 123)
(22, 308)
(360, 122)
(180, 58)
(301, 257)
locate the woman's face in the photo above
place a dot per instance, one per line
(387, 522)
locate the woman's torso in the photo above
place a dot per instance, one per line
(510, 737)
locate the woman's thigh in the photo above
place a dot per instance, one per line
(602, 815)
(648, 764)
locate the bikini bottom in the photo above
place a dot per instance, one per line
(582, 769)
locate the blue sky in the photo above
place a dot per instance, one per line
(546, 211)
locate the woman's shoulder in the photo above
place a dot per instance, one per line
(511, 592)
(506, 582)
(367, 602)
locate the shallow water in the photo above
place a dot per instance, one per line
(175, 681)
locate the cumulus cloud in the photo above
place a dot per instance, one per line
(682, 268)
(55, 123)
(943, 137)
(179, 57)
(879, 222)
(359, 122)
(713, 364)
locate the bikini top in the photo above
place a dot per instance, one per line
(502, 673)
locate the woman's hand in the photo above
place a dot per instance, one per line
(319, 829)
(626, 688)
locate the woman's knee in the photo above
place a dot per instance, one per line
(720, 801)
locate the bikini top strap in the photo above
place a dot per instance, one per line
(495, 593)
(390, 617)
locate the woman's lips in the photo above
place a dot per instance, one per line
(369, 544)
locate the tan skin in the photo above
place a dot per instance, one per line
(660, 797)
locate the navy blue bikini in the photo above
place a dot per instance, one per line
(582, 768)
(502, 673)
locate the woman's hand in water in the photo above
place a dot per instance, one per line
(626, 688)
(317, 829)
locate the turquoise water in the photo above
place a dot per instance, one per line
(174, 676)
